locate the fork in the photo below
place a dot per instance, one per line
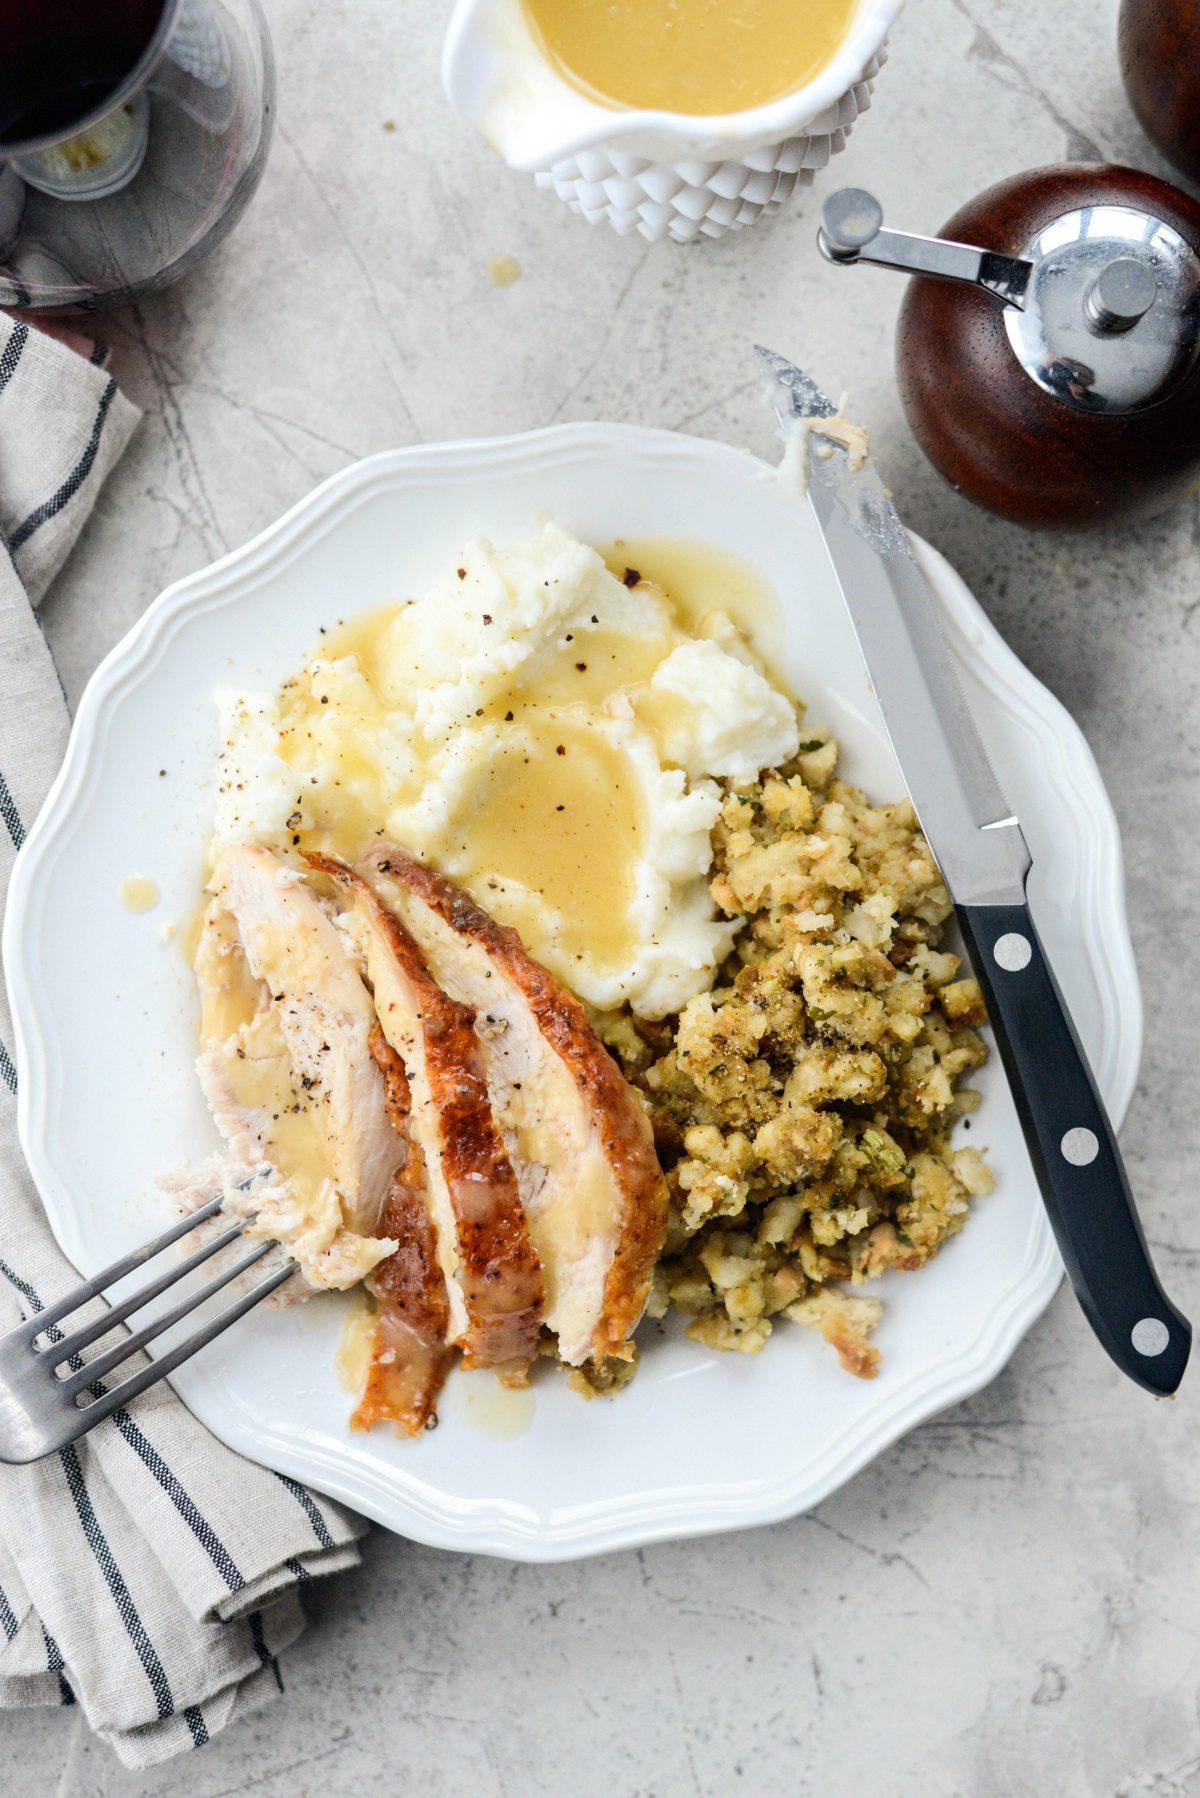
(42, 1409)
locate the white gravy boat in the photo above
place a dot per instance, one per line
(661, 174)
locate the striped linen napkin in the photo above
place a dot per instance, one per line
(148, 1573)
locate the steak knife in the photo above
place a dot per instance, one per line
(981, 851)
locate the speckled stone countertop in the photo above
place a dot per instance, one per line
(1008, 1602)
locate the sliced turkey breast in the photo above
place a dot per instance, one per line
(410, 1353)
(325, 1018)
(582, 1145)
(270, 1112)
(493, 1276)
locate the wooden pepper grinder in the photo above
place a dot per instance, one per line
(1048, 351)
(1158, 42)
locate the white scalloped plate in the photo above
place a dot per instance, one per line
(105, 1012)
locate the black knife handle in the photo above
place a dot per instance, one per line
(1074, 1150)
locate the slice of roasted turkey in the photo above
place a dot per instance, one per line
(493, 1275)
(320, 1013)
(410, 1350)
(583, 1149)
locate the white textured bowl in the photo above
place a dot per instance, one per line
(104, 1010)
(661, 174)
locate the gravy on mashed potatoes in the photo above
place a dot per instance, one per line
(542, 731)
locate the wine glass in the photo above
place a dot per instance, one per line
(132, 134)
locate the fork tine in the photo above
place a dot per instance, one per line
(108, 1276)
(89, 1288)
(59, 1352)
(128, 1345)
(128, 1390)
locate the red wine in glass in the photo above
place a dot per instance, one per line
(63, 63)
(132, 133)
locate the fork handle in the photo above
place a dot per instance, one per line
(1074, 1151)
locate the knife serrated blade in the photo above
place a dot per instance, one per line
(966, 819)
(982, 854)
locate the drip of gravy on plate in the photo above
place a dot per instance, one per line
(138, 893)
(688, 56)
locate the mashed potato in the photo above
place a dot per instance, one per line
(544, 732)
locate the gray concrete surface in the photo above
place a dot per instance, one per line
(1009, 1601)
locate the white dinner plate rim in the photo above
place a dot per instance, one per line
(633, 1519)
